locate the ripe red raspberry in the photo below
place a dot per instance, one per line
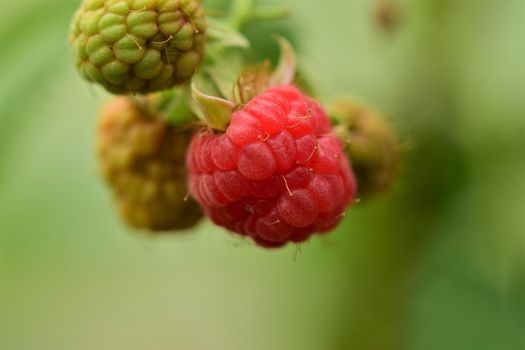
(277, 174)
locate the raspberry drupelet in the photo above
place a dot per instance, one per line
(277, 175)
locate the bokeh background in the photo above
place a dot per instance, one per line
(439, 263)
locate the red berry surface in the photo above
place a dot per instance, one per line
(277, 174)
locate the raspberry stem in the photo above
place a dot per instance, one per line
(241, 11)
(270, 13)
(246, 11)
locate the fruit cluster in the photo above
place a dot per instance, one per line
(140, 159)
(138, 46)
(266, 161)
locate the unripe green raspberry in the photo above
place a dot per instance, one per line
(138, 46)
(142, 159)
(372, 146)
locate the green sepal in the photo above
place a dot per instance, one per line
(224, 36)
(216, 111)
(224, 72)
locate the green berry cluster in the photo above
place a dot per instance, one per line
(138, 46)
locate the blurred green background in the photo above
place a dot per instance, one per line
(437, 264)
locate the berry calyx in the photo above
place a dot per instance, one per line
(138, 46)
(276, 174)
(142, 158)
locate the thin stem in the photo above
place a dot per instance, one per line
(241, 11)
(270, 13)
